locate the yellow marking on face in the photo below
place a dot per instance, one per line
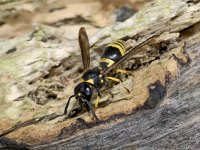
(101, 81)
(121, 71)
(79, 94)
(113, 79)
(109, 61)
(100, 75)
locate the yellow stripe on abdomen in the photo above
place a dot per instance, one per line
(109, 61)
(121, 43)
(119, 46)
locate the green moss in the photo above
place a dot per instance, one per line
(11, 110)
(2, 96)
(27, 105)
(15, 65)
(42, 32)
(117, 34)
(43, 112)
(7, 1)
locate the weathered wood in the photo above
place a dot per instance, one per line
(173, 124)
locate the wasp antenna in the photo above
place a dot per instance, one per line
(65, 112)
(92, 110)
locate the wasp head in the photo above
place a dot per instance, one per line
(83, 93)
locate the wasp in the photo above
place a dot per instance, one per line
(95, 78)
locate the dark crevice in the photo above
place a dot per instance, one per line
(2, 23)
(157, 93)
(70, 21)
(46, 76)
(193, 2)
(56, 9)
(12, 50)
(49, 38)
(8, 144)
(190, 30)
(177, 15)
(52, 96)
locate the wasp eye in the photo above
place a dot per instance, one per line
(87, 91)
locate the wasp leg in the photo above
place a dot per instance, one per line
(92, 110)
(97, 101)
(98, 97)
(114, 79)
(120, 81)
(121, 71)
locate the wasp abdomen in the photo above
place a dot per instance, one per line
(112, 53)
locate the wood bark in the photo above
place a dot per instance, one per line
(160, 112)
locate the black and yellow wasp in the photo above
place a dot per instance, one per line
(95, 78)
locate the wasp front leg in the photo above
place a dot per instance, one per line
(91, 109)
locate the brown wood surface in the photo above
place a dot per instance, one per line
(174, 124)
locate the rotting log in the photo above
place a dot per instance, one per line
(166, 77)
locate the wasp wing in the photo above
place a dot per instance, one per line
(130, 53)
(84, 46)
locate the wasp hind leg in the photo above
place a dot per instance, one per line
(119, 81)
(122, 71)
(114, 79)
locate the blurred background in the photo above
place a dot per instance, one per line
(17, 17)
